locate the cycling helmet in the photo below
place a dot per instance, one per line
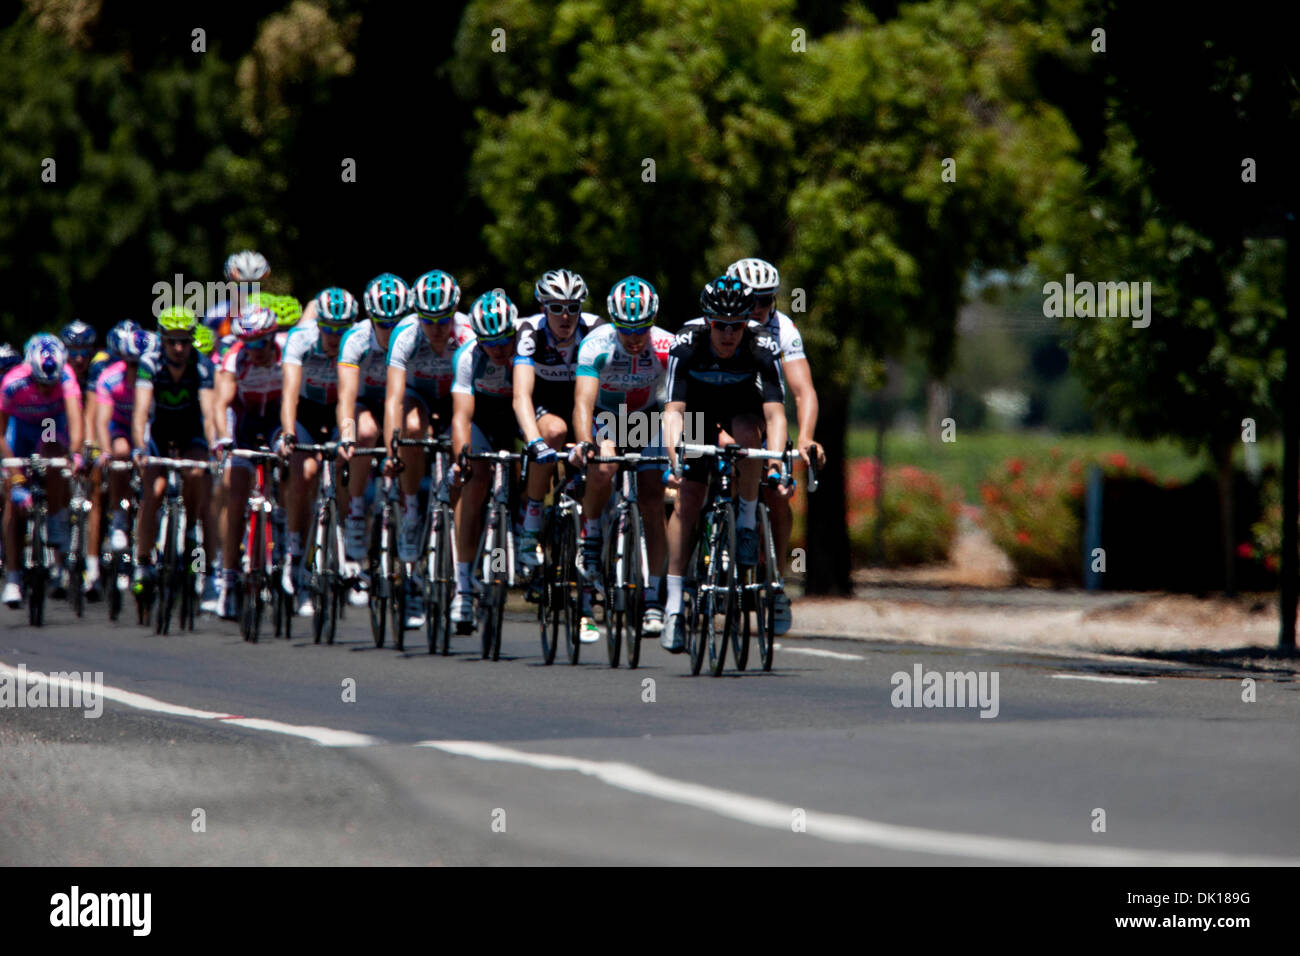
(255, 324)
(9, 357)
(77, 335)
(247, 266)
(726, 297)
(436, 294)
(116, 335)
(560, 285)
(387, 298)
(632, 304)
(204, 340)
(335, 308)
(177, 319)
(493, 315)
(46, 356)
(759, 274)
(135, 346)
(287, 309)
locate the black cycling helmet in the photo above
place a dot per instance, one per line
(727, 297)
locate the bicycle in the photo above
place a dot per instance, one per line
(435, 571)
(121, 562)
(558, 604)
(387, 575)
(176, 575)
(623, 559)
(262, 558)
(324, 554)
(78, 513)
(717, 591)
(38, 557)
(494, 562)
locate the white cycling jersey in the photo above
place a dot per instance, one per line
(360, 349)
(630, 380)
(426, 373)
(320, 374)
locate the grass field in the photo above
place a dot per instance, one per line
(965, 461)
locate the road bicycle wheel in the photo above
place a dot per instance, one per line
(570, 592)
(692, 599)
(445, 583)
(494, 598)
(166, 583)
(718, 600)
(770, 581)
(38, 573)
(550, 603)
(319, 546)
(615, 595)
(634, 582)
(396, 581)
(378, 582)
(114, 589)
(77, 563)
(253, 588)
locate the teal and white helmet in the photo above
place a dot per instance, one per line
(387, 298)
(335, 308)
(493, 315)
(633, 304)
(759, 274)
(436, 294)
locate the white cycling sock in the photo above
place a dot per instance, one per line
(92, 563)
(674, 603)
(532, 515)
(463, 583)
(747, 513)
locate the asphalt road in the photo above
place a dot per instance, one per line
(457, 760)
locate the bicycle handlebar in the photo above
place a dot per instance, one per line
(631, 458)
(35, 461)
(152, 461)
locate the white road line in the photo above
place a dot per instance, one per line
(1103, 680)
(844, 829)
(818, 652)
(324, 736)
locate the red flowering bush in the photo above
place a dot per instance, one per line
(1034, 511)
(1267, 531)
(920, 514)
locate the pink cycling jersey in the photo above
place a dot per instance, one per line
(116, 389)
(25, 399)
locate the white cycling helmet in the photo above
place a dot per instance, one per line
(759, 274)
(560, 285)
(247, 266)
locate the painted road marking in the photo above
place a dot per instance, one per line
(844, 829)
(1103, 680)
(818, 652)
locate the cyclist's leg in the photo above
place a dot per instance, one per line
(23, 440)
(555, 432)
(415, 424)
(118, 487)
(151, 492)
(469, 518)
(352, 496)
(747, 429)
(94, 524)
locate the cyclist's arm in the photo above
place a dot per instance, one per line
(289, 398)
(103, 414)
(798, 375)
(208, 407)
(673, 423)
(462, 421)
(393, 406)
(586, 390)
(227, 389)
(89, 415)
(5, 450)
(140, 413)
(76, 429)
(774, 414)
(525, 412)
(349, 382)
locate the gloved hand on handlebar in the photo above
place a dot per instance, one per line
(578, 453)
(541, 452)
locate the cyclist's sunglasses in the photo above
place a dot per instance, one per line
(178, 340)
(499, 340)
(333, 329)
(435, 319)
(763, 301)
(563, 308)
(634, 330)
(722, 326)
(385, 323)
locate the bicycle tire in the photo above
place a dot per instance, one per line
(39, 572)
(114, 592)
(765, 605)
(427, 578)
(377, 599)
(396, 581)
(634, 581)
(163, 622)
(493, 531)
(615, 595)
(721, 596)
(316, 560)
(571, 534)
(286, 602)
(692, 598)
(446, 574)
(548, 596)
(252, 611)
(77, 563)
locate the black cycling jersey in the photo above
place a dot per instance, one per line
(177, 414)
(743, 382)
(553, 367)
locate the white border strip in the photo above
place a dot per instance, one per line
(1103, 680)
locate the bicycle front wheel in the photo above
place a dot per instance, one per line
(445, 580)
(718, 596)
(569, 592)
(769, 578)
(77, 563)
(615, 593)
(378, 582)
(396, 583)
(38, 574)
(634, 586)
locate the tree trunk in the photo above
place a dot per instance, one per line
(1227, 511)
(827, 537)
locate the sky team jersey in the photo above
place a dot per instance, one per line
(259, 386)
(116, 389)
(707, 383)
(24, 399)
(625, 379)
(781, 327)
(360, 349)
(320, 373)
(553, 367)
(428, 374)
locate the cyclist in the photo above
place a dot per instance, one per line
(174, 409)
(307, 414)
(90, 416)
(726, 371)
(115, 395)
(545, 359)
(483, 420)
(620, 370)
(40, 391)
(243, 268)
(363, 384)
(796, 374)
(79, 339)
(420, 354)
(249, 386)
